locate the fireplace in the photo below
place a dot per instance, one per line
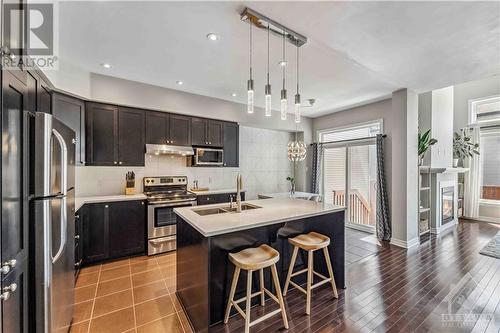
(447, 204)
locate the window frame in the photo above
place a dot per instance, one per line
(472, 115)
(486, 202)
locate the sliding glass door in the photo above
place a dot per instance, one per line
(361, 178)
(350, 171)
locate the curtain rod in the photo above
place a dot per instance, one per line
(350, 140)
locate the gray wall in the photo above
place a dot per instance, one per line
(361, 114)
(471, 90)
(400, 118)
(114, 90)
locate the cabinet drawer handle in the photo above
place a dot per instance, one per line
(106, 206)
(209, 142)
(168, 141)
(115, 162)
(77, 236)
(120, 162)
(7, 291)
(8, 265)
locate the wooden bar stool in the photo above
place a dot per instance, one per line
(254, 259)
(310, 242)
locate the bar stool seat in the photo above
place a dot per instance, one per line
(253, 259)
(310, 242)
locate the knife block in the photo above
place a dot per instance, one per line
(130, 187)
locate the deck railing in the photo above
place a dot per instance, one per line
(359, 207)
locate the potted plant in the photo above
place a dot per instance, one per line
(463, 147)
(424, 142)
(292, 185)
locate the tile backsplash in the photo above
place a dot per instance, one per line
(263, 164)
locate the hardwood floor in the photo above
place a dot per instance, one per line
(397, 290)
(389, 290)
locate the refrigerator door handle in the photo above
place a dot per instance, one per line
(64, 161)
(64, 227)
(64, 190)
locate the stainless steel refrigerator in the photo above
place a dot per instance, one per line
(54, 219)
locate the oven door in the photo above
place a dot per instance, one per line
(162, 219)
(208, 156)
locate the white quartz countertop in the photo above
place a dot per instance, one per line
(220, 191)
(297, 195)
(275, 210)
(80, 201)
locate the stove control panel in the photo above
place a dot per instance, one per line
(165, 181)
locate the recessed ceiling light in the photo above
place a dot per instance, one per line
(213, 37)
(282, 63)
(234, 94)
(106, 65)
(179, 82)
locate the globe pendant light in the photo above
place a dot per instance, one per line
(283, 101)
(297, 95)
(250, 99)
(296, 150)
(268, 85)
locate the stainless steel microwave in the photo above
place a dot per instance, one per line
(208, 156)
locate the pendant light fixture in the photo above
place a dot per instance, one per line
(297, 95)
(268, 85)
(296, 150)
(284, 101)
(250, 99)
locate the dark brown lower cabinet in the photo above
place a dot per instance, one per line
(217, 198)
(113, 230)
(15, 299)
(127, 228)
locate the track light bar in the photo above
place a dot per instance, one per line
(260, 21)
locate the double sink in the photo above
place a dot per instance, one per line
(224, 210)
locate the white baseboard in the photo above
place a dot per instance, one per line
(405, 244)
(366, 228)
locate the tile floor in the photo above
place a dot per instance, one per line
(129, 295)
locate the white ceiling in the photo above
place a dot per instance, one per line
(357, 51)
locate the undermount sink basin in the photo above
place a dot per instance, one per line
(224, 210)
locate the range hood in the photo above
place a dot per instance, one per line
(169, 150)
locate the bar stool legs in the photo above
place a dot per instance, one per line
(310, 243)
(236, 275)
(255, 259)
(330, 272)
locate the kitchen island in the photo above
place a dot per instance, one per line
(207, 234)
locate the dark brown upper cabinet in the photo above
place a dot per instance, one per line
(101, 134)
(131, 139)
(180, 130)
(115, 136)
(205, 132)
(157, 128)
(164, 128)
(231, 145)
(71, 111)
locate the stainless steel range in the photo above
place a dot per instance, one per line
(164, 194)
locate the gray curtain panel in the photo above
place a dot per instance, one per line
(384, 228)
(316, 167)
